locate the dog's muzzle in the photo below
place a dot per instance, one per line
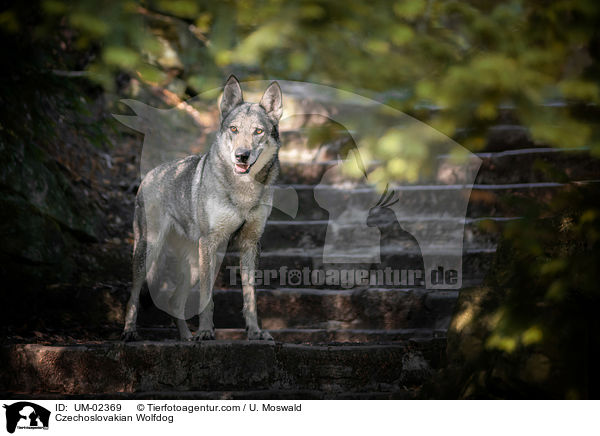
(242, 164)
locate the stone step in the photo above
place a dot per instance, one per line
(164, 330)
(523, 165)
(420, 201)
(537, 165)
(402, 393)
(299, 335)
(311, 234)
(397, 310)
(60, 315)
(114, 368)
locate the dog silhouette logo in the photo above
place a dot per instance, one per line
(26, 415)
(366, 148)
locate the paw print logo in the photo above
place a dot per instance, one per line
(294, 277)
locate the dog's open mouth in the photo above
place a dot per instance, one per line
(242, 168)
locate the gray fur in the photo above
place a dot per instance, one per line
(194, 206)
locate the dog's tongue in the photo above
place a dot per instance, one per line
(241, 168)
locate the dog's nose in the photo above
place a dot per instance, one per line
(242, 155)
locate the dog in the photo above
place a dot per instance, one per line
(193, 206)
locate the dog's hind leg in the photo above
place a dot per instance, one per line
(145, 255)
(139, 276)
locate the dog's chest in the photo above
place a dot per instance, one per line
(223, 217)
(246, 196)
(226, 215)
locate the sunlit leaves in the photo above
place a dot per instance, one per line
(54, 7)
(312, 11)
(149, 73)
(405, 152)
(267, 37)
(298, 60)
(203, 21)
(377, 46)
(565, 132)
(501, 342)
(89, 23)
(120, 56)
(9, 21)
(409, 9)
(179, 8)
(579, 90)
(401, 34)
(509, 339)
(467, 58)
(532, 335)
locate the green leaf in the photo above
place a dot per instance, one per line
(121, 56)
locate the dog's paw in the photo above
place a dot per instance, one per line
(205, 335)
(130, 336)
(259, 335)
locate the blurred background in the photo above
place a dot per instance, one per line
(514, 82)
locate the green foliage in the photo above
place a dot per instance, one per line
(469, 57)
(532, 331)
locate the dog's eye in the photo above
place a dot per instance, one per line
(233, 129)
(258, 131)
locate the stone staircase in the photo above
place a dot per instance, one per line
(219, 369)
(331, 341)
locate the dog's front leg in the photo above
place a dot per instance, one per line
(207, 257)
(248, 242)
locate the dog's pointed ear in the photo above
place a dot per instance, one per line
(232, 96)
(272, 101)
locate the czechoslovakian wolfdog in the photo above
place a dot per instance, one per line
(196, 204)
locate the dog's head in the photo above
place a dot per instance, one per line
(249, 129)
